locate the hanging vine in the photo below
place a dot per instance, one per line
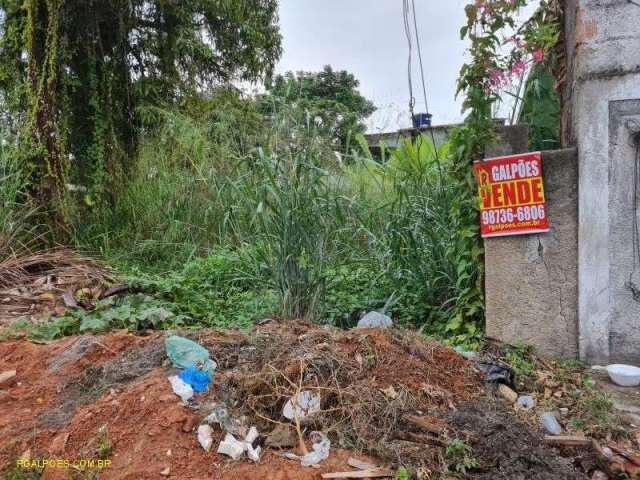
(73, 74)
(46, 127)
(502, 52)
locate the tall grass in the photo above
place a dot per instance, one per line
(332, 238)
(19, 229)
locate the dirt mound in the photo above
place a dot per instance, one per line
(39, 285)
(509, 449)
(46, 393)
(381, 395)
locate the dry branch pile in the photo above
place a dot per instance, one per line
(371, 383)
(41, 284)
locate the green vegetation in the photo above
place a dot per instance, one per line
(20, 473)
(124, 136)
(328, 98)
(460, 456)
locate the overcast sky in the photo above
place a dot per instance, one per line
(366, 37)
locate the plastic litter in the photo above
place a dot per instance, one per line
(183, 390)
(185, 353)
(204, 437)
(231, 447)
(235, 449)
(319, 451)
(549, 422)
(468, 354)
(301, 405)
(220, 415)
(198, 379)
(251, 436)
(525, 402)
(375, 320)
(494, 373)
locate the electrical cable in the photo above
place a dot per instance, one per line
(424, 89)
(407, 32)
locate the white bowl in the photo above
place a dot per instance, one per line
(624, 375)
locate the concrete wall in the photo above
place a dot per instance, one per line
(603, 50)
(531, 280)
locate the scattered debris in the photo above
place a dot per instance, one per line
(468, 354)
(599, 475)
(195, 377)
(624, 375)
(507, 393)
(550, 423)
(220, 415)
(183, 390)
(375, 320)
(301, 405)
(282, 436)
(231, 447)
(494, 373)
(371, 473)
(7, 379)
(185, 353)
(205, 439)
(567, 441)
(359, 464)
(319, 451)
(165, 471)
(430, 424)
(525, 402)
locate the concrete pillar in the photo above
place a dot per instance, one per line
(603, 87)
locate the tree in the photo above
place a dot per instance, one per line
(329, 98)
(74, 72)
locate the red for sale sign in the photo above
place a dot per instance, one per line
(511, 195)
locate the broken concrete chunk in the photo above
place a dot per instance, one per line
(204, 437)
(301, 405)
(231, 447)
(507, 393)
(375, 320)
(7, 379)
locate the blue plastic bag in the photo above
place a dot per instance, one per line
(185, 353)
(198, 379)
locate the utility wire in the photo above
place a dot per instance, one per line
(407, 30)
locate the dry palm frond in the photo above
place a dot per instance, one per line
(34, 285)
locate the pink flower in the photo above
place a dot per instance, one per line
(538, 55)
(518, 68)
(482, 6)
(497, 78)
